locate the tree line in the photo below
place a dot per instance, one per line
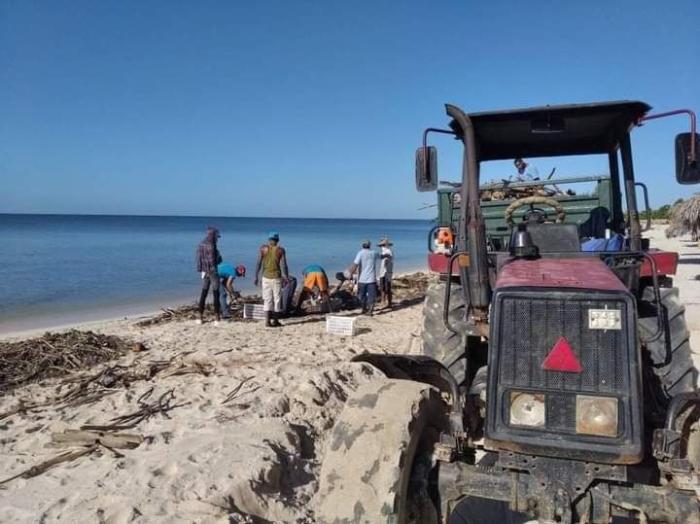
(661, 213)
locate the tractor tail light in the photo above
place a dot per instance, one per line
(527, 409)
(596, 415)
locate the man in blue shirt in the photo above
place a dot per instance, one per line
(365, 264)
(228, 274)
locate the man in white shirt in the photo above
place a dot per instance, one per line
(386, 271)
(366, 264)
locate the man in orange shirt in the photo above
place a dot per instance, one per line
(314, 277)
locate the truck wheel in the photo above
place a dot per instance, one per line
(379, 455)
(670, 353)
(438, 341)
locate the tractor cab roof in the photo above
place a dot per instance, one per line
(575, 129)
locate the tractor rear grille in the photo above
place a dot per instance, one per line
(526, 324)
(531, 326)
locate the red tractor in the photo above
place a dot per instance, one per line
(556, 382)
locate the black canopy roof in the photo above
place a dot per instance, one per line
(575, 129)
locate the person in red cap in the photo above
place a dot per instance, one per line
(228, 274)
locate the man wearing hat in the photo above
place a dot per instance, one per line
(365, 264)
(386, 270)
(272, 260)
(208, 258)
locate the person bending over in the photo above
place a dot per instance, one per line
(228, 274)
(314, 278)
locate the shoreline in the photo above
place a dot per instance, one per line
(128, 311)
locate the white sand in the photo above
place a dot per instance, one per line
(256, 456)
(208, 463)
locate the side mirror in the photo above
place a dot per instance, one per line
(426, 169)
(687, 172)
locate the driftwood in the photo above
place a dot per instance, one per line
(74, 437)
(42, 467)
(86, 441)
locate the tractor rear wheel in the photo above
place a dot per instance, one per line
(670, 353)
(439, 342)
(379, 455)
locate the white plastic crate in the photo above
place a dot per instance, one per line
(253, 311)
(340, 325)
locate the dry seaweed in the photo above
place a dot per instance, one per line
(163, 404)
(55, 355)
(684, 218)
(86, 389)
(191, 312)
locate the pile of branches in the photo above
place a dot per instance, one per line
(410, 287)
(55, 355)
(191, 312)
(684, 218)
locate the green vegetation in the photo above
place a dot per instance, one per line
(662, 213)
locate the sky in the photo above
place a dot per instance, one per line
(309, 109)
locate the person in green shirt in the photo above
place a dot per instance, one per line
(272, 262)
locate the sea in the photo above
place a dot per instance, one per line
(62, 269)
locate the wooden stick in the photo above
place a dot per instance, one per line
(42, 467)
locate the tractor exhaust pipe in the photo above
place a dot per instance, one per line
(471, 236)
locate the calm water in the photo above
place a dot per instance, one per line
(74, 266)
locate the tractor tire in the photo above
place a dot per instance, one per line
(379, 455)
(670, 353)
(439, 342)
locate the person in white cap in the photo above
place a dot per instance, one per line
(365, 264)
(386, 271)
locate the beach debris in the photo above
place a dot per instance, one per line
(163, 404)
(684, 218)
(55, 355)
(182, 368)
(191, 312)
(42, 467)
(86, 442)
(138, 347)
(76, 437)
(234, 392)
(88, 389)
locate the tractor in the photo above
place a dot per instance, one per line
(556, 381)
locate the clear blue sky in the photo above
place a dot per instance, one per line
(306, 108)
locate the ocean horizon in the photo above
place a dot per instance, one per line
(66, 268)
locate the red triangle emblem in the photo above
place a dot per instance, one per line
(562, 358)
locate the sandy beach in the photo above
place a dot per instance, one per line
(245, 434)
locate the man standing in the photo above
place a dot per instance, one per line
(386, 270)
(314, 277)
(365, 264)
(272, 260)
(208, 258)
